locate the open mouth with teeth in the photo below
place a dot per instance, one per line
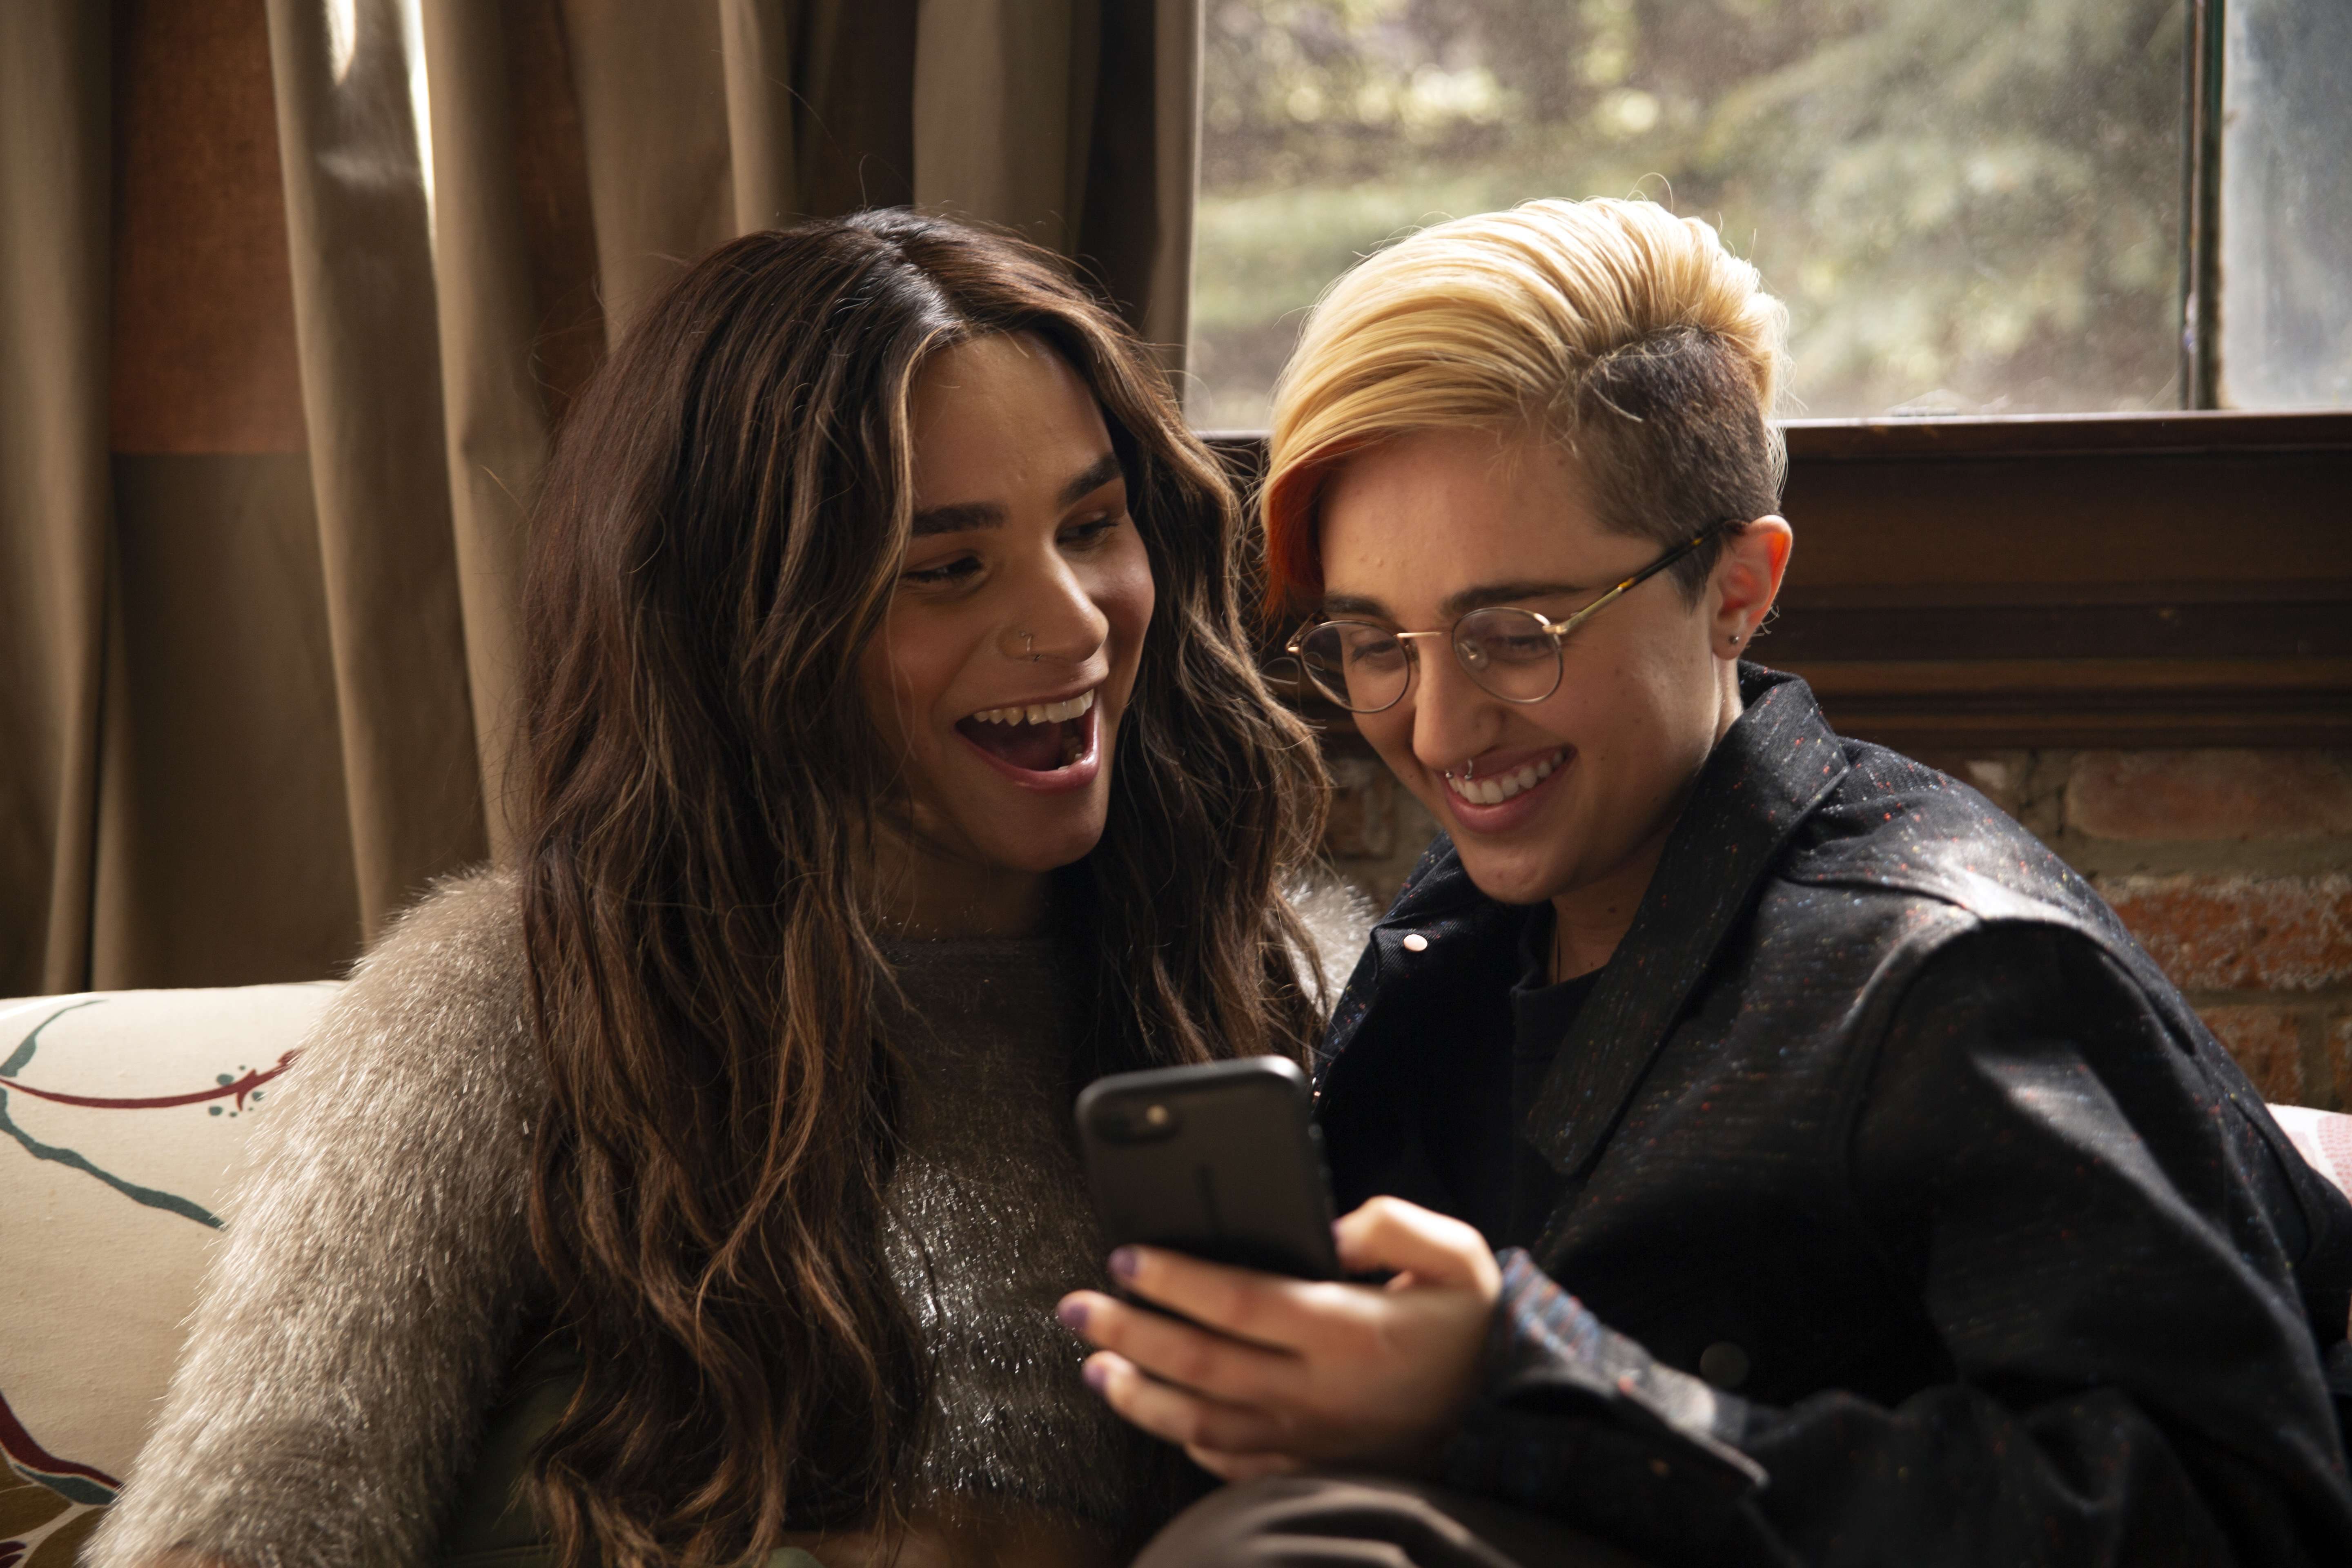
(1037, 737)
(1503, 787)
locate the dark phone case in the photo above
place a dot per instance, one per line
(1220, 1160)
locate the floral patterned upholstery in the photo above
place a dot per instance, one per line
(122, 1119)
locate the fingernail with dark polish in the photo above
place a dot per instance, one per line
(1096, 1374)
(1122, 1263)
(1073, 1314)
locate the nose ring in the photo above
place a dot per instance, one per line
(1029, 646)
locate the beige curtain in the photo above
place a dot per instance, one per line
(292, 293)
(54, 153)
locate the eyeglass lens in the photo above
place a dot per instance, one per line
(1365, 668)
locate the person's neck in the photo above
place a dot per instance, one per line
(1590, 921)
(924, 894)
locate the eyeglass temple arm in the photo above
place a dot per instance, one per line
(1562, 628)
(1300, 636)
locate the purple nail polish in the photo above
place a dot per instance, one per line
(1096, 1374)
(1073, 1314)
(1122, 1263)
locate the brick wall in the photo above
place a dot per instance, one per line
(2234, 867)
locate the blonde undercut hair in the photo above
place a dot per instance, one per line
(1630, 335)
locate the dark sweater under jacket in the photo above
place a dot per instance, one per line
(1879, 1116)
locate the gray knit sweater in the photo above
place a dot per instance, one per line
(355, 1322)
(988, 1224)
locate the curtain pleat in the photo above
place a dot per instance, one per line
(301, 712)
(653, 116)
(756, 59)
(1140, 169)
(1163, 286)
(997, 85)
(496, 416)
(854, 101)
(358, 219)
(54, 152)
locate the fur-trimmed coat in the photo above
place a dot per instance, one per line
(377, 1261)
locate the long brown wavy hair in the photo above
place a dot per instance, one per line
(722, 528)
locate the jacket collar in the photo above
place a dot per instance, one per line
(1437, 893)
(1764, 777)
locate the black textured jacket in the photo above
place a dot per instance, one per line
(1880, 1115)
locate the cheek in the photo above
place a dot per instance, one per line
(877, 684)
(1660, 723)
(1126, 595)
(897, 687)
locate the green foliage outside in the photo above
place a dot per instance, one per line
(1968, 207)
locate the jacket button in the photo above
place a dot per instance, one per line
(1724, 1364)
(1416, 942)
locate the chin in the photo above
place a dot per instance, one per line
(1063, 833)
(1509, 878)
(1514, 870)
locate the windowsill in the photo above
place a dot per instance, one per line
(2170, 430)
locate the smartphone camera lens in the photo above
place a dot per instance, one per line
(1144, 1122)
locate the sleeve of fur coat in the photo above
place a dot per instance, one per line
(376, 1256)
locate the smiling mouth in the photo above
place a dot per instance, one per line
(1035, 737)
(1503, 787)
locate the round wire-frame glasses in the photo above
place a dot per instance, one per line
(1511, 652)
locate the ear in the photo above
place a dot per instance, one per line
(1746, 580)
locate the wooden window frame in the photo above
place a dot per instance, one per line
(2158, 579)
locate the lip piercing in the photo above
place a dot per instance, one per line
(1029, 646)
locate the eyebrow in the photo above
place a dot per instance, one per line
(1100, 472)
(1457, 604)
(956, 518)
(960, 516)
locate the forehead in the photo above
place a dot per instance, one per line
(999, 414)
(1413, 521)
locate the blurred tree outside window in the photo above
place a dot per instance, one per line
(1969, 208)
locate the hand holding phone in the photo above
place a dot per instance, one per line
(1220, 1160)
(1255, 1374)
(1197, 1171)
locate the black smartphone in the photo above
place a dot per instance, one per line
(1221, 1162)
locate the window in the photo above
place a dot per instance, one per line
(2285, 205)
(1980, 209)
